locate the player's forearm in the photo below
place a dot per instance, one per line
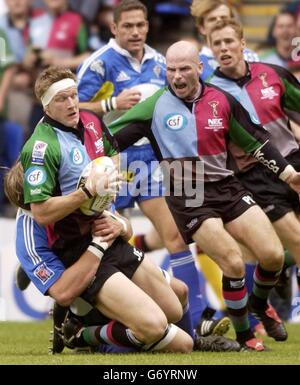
(75, 279)
(92, 106)
(57, 208)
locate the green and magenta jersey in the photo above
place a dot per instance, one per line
(53, 159)
(64, 34)
(271, 95)
(198, 131)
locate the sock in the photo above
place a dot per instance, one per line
(236, 298)
(264, 281)
(59, 314)
(249, 284)
(186, 323)
(114, 333)
(140, 243)
(184, 268)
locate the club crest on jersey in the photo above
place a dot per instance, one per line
(214, 104)
(175, 122)
(263, 77)
(98, 66)
(77, 156)
(91, 126)
(43, 273)
(157, 70)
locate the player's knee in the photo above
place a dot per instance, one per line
(153, 327)
(272, 256)
(233, 265)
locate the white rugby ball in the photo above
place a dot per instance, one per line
(97, 204)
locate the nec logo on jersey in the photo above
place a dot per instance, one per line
(175, 122)
(268, 93)
(214, 124)
(99, 146)
(271, 164)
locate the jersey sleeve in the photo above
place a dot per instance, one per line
(40, 159)
(291, 97)
(109, 141)
(92, 80)
(253, 138)
(135, 123)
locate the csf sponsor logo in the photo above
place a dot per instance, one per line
(38, 152)
(35, 176)
(175, 122)
(77, 156)
(43, 273)
(271, 164)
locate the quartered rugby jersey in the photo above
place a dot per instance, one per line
(111, 69)
(53, 159)
(54, 156)
(65, 33)
(197, 131)
(271, 96)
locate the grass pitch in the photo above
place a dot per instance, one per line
(27, 344)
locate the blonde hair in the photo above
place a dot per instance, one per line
(200, 8)
(13, 186)
(49, 76)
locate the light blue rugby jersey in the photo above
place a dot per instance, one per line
(112, 69)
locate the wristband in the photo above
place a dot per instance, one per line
(109, 104)
(97, 247)
(287, 172)
(86, 191)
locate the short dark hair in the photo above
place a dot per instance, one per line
(129, 5)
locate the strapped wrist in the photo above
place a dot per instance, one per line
(109, 104)
(87, 192)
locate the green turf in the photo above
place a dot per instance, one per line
(26, 343)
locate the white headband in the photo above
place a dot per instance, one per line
(55, 88)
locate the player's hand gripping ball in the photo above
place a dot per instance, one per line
(101, 178)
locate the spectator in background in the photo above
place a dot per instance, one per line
(99, 29)
(58, 37)
(283, 29)
(11, 134)
(15, 23)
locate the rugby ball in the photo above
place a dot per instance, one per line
(97, 204)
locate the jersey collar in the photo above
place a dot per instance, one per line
(79, 132)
